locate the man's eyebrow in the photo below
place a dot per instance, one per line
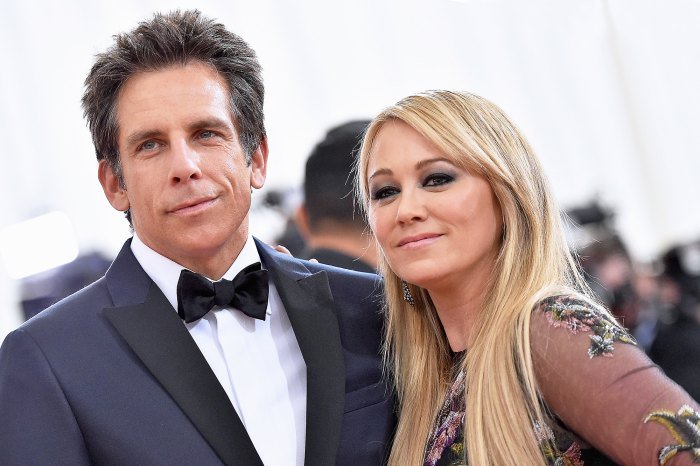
(210, 122)
(213, 123)
(138, 136)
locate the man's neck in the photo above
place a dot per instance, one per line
(212, 263)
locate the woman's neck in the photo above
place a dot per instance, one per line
(458, 309)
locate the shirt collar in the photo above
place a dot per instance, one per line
(165, 273)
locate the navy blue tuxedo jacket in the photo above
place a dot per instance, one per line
(110, 375)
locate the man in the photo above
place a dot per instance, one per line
(154, 364)
(335, 233)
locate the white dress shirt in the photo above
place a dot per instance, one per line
(258, 363)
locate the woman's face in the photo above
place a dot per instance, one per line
(438, 225)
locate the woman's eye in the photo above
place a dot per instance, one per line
(437, 179)
(383, 193)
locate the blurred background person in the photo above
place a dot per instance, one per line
(42, 290)
(676, 346)
(604, 257)
(334, 231)
(283, 203)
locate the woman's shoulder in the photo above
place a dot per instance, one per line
(579, 316)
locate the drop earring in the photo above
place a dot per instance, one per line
(407, 296)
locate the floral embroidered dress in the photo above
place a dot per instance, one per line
(622, 405)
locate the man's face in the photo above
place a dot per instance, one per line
(186, 180)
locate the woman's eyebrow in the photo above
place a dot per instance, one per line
(425, 162)
(420, 164)
(381, 171)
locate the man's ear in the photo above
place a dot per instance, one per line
(115, 193)
(301, 219)
(258, 165)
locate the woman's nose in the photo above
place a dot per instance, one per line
(411, 207)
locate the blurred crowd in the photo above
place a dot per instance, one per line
(658, 301)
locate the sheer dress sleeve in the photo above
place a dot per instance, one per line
(603, 388)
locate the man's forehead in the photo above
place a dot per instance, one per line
(193, 67)
(196, 91)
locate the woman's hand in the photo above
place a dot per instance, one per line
(283, 250)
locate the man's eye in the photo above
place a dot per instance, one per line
(437, 179)
(149, 145)
(207, 134)
(383, 193)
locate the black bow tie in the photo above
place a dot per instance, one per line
(247, 292)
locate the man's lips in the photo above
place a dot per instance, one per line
(192, 205)
(417, 241)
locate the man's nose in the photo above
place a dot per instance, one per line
(184, 163)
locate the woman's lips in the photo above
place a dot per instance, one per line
(417, 241)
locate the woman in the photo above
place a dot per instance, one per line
(499, 354)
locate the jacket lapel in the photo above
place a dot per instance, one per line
(309, 304)
(149, 325)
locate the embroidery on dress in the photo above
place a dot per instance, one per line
(446, 444)
(579, 316)
(447, 434)
(685, 429)
(545, 437)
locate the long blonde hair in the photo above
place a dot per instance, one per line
(502, 399)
